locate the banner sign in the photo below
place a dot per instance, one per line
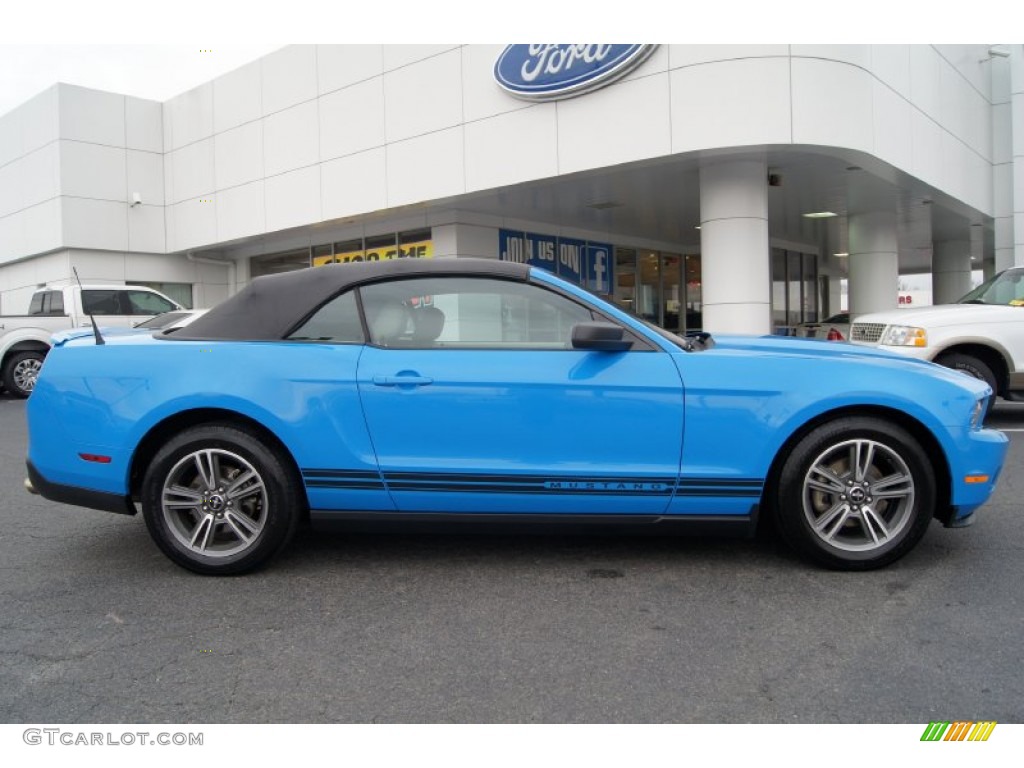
(599, 267)
(582, 262)
(570, 259)
(423, 249)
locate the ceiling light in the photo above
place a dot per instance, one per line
(820, 215)
(604, 206)
(840, 255)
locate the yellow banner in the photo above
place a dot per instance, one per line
(424, 249)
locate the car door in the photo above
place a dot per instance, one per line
(476, 402)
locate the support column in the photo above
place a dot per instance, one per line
(874, 266)
(951, 270)
(735, 260)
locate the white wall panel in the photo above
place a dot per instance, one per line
(423, 97)
(92, 170)
(339, 66)
(1002, 136)
(352, 119)
(94, 224)
(891, 115)
(12, 238)
(891, 65)
(687, 55)
(964, 112)
(396, 56)
(39, 120)
(926, 138)
(238, 97)
(289, 77)
(731, 103)
(967, 61)
(191, 224)
(190, 172)
(832, 105)
(146, 229)
(10, 136)
(42, 225)
(238, 155)
(623, 122)
(656, 63)
(291, 139)
(188, 117)
(1002, 190)
(481, 95)
(858, 55)
(145, 176)
(30, 180)
(354, 184)
(144, 124)
(426, 167)
(926, 80)
(241, 211)
(293, 199)
(513, 147)
(88, 115)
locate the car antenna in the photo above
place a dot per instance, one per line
(95, 328)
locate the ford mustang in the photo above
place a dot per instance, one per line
(481, 390)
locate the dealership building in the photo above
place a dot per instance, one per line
(734, 188)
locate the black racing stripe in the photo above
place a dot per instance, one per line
(526, 489)
(453, 477)
(345, 486)
(712, 492)
(354, 473)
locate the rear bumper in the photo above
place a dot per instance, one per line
(79, 497)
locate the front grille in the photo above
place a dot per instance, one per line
(869, 332)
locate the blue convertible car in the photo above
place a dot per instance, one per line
(464, 389)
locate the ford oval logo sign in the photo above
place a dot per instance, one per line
(544, 71)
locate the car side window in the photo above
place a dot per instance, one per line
(469, 312)
(101, 302)
(145, 303)
(336, 322)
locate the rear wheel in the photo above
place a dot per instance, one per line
(21, 371)
(855, 493)
(217, 499)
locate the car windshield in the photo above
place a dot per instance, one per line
(1006, 289)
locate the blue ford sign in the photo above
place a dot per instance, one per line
(546, 71)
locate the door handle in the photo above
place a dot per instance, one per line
(407, 380)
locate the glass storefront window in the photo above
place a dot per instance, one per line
(625, 278)
(275, 263)
(648, 296)
(694, 294)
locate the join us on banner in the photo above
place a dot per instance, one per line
(583, 262)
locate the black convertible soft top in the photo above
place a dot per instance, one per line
(271, 306)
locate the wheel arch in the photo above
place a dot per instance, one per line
(929, 443)
(995, 358)
(28, 345)
(160, 432)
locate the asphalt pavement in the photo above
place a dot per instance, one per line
(97, 626)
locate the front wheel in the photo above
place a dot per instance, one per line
(855, 493)
(217, 499)
(21, 371)
(972, 366)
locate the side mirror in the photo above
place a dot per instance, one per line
(601, 337)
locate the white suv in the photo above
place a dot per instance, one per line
(982, 334)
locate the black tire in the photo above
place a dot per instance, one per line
(21, 372)
(232, 501)
(837, 516)
(972, 366)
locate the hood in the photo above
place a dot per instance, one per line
(791, 346)
(944, 314)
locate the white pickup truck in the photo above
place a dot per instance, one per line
(25, 339)
(982, 334)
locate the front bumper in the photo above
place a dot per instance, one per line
(980, 453)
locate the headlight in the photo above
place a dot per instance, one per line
(904, 336)
(978, 414)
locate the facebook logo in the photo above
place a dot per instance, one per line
(599, 267)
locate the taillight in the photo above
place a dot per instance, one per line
(835, 335)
